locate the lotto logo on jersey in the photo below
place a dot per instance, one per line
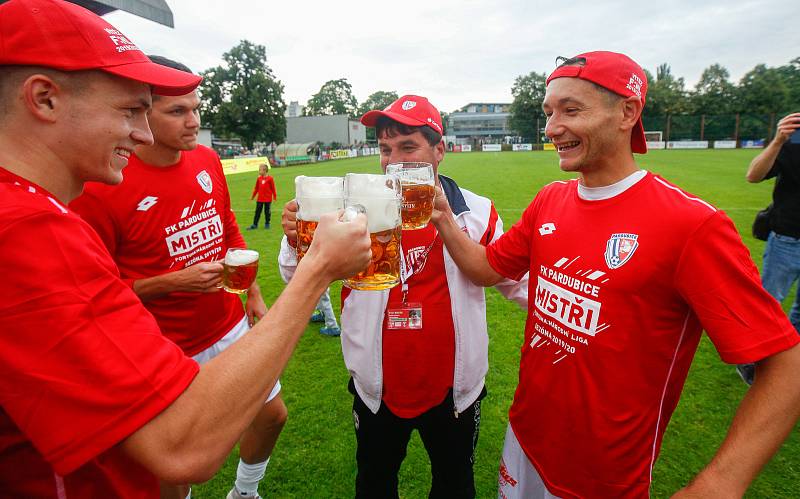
(567, 308)
(195, 236)
(620, 249)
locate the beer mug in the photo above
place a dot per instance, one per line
(239, 269)
(418, 192)
(315, 196)
(380, 196)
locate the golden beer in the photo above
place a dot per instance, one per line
(417, 181)
(239, 270)
(305, 234)
(379, 196)
(417, 205)
(315, 196)
(384, 269)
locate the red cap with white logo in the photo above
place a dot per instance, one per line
(61, 35)
(411, 110)
(615, 72)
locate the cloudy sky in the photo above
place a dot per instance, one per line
(461, 51)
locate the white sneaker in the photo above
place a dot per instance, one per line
(235, 494)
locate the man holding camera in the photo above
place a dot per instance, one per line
(781, 268)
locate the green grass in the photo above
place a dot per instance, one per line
(315, 456)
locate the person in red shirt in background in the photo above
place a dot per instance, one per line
(167, 225)
(267, 193)
(94, 400)
(626, 271)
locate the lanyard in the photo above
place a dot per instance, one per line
(407, 273)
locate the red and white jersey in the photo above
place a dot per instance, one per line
(163, 219)
(620, 291)
(83, 364)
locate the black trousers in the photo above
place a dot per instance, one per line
(450, 441)
(262, 206)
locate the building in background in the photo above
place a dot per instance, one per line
(480, 123)
(294, 109)
(337, 129)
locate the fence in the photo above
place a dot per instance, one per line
(710, 127)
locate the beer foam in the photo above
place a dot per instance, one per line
(318, 187)
(240, 257)
(368, 185)
(382, 214)
(310, 209)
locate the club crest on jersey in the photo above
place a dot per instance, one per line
(204, 179)
(620, 248)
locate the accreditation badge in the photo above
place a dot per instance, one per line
(406, 316)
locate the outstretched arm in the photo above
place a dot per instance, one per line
(765, 418)
(190, 439)
(468, 255)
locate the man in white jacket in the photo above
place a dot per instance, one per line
(428, 375)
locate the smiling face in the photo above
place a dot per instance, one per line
(396, 148)
(104, 121)
(175, 122)
(583, 122)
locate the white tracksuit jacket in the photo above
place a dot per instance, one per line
(363, 311)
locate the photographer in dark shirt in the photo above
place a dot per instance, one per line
(781, 268)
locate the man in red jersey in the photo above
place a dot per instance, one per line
(426, 373)
(167, 226)
(626, 270)
(94, 400)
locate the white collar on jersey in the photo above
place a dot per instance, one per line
(609, 191)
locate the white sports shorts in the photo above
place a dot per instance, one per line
(518, 479)
(229, 339)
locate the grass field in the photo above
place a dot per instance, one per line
(315, 456)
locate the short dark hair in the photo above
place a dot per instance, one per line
(163, 61)
(611, 97)
(387, 127)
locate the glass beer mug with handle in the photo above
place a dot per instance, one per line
(417, 181)
(315, 196)
(380, 196)
(239, 269)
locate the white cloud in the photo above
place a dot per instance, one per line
(456, 52)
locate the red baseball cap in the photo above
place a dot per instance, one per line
(411, 110)
(615, 72)
(61, 35)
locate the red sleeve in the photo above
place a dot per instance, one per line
(83, 365)
(510, 254)
(255, 189)
(720, 282)
(273, 188)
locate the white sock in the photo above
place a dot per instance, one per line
(248, 476)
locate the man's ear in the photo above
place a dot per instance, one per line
(43, 97)
(438, 151)
(631, 111)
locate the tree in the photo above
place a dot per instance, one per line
(335, 97)
(762, 90)
(243, 98)
(378, 100)
(665, 93)
(714, 93)
(528, 92)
